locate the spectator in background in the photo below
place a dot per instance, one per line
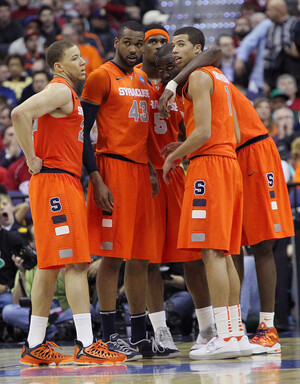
(18, 46)
(287, 83)
(247, 9)
(12, 149)
(278, 99)
(227, 65)
(284, 118)
(39, 81)
(277, 60)
(83, 9)
(262, 106)
(12, 217)
(241, 30)
(154, 17)
(49, 27)
(17, 177)
(89, 38)
(5, 118)
(100, 26)
(17, 80)
(6, 92)
(10, 29)
(295, 150)
(256, 18)
(31, 40)
(23, 10)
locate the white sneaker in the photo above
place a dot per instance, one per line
(204, 337)
(164, 337)
(217, 348)
(244, 345)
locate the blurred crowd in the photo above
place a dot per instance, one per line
(261, 56)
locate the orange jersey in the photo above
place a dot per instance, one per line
(162, 131)
(249, 121)
(123, 115)
(59, 141)
(222, 141)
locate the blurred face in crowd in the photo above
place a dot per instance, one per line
(226, 45)
(6, 211)
(5, 120)
(242, 27)
(15, 67)
(47, 17)
(5, 16)
(40, 80)
(276, 10)
(284, 119)
(32, 43)
(8, 136)
(288, 85)
(4, 72)
(263, 110)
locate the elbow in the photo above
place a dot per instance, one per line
(16, 114)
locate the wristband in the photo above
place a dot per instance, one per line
(172, 86)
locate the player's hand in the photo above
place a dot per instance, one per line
(169, 166)
(164, 103)
(34, 165)
(292, 50)
(169, 148)
(103, 197)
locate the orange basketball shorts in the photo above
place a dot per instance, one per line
(129, 231)
(267, 211)
(59, 217)
(211, 216)
(167, 206)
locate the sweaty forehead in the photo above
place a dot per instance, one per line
(165, 60)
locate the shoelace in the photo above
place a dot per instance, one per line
(48, 348)
(123, 345)
(156, 346)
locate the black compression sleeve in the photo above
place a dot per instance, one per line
(90, 113)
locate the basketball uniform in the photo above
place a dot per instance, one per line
(56, 195)
(168, 202)
(212, 205)
(122, 160)
(266, 210)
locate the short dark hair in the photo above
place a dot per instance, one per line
(132, 25)
(4, 3)
(41, 72)
(195, 35)
(56, 51)
(15, 56)
(45, 8)
(164, 50)
(154, 26)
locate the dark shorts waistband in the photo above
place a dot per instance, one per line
(252, 141)
(118, 157)
(195, 157)
(56, 170)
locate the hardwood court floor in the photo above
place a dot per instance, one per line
(259, 369)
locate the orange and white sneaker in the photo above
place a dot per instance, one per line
(265, 340)
(44, 354)
(96, 353)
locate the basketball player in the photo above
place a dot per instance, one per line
(120, 216)
(54, 156)
(212, 133)
(263, 177)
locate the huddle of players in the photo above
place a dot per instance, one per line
(204, 212)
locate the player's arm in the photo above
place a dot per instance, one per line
(202, 117)
(153, 179)
(236, 128)
(208, 57)
(55, 96)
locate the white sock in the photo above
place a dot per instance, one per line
(267, 318)
(236, 320)
(205, 317)
(37, 330)
(158, 320)
(83, 325)
(223, 323)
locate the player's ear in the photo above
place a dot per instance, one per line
(197, 48)
(116, 41)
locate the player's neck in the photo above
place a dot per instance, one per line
(151, 72)
(71, 83)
